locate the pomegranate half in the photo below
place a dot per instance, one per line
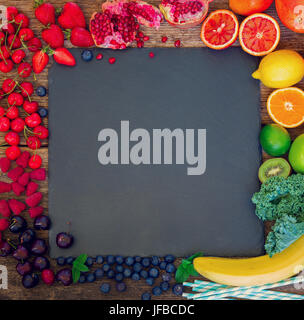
(116, 26)
(184, 13)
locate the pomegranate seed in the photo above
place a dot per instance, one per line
(164, 39)
(112, 60)
(177, 43)
(99, 56)
(151, 54)
(140, 44)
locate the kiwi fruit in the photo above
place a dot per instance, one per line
(276, 167)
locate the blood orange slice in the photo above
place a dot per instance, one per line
(259, 34)
(286, 107)
(220, 29)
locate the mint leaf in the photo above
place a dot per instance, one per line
(76, 275)
(190, 259)
(81, 259)
(80, 267)
(181, 274)
(186, 268)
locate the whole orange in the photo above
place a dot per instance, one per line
(291, 13)
(248, 7)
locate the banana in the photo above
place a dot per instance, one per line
(253, 271)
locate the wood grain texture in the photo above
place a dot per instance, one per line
(189, 38)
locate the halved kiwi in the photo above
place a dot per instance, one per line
(276, 167)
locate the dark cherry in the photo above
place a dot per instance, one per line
(21, 253)
(41, 263)
(5, 249)
(38, 247)
(27, 237)
(24, 268)
(65, 276)
(18, 224)
(64, 240)
(30, 280)
(42, 223)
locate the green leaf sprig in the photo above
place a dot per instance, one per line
(186, 269)
(79, 266)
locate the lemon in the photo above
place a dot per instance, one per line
(280, 69)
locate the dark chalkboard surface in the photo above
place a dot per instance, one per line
(155, 209)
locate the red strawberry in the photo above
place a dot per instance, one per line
(12, 152)
(81, 37)
(17, 188)
(45, 12)
(30, 107)
(40, 60)
(27, 89)
(5, 164)
(38, 174)
(31, 188)
(71, 16)
(4, 224)
(35, 211)
(5, 187)
(64, 56)
(16, 206)
(4, 209)
(15, 173)
(26, 34)
(22, 161)
(24, 179)
(34, 199)
(53, 36)
(18, 56)
(34, 45)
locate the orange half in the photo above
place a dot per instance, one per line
(220, 29)
(259, 34)
(286, 107)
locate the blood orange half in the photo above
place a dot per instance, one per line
(220, 29)
(259, 34)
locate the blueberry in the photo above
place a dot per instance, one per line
(169, 258)
(156, 291)
(43, 112)
(163, 265)
(127, 273)
(119, 277)
(129, 261)
(99, 273)
(155, 261)
(110, 259)
(69, 260)
(119, 268)
(90, 277)
(153, 273)
(146, 262)
(110, 274)
(87, 55)
(135, 276)
(41, 91)
(119, 259)
(106, 267)
(99, 259)
(137, 267)
(89, 262)
(166, 277)
(144, 274)
(177, 289)
(170, 268)
(150, 281)
(137, 259)
(121, 287)
(61, 261)
(146, 296)
(82, 279)
(164, 285)
(105, 287)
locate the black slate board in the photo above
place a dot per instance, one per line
(156, 209)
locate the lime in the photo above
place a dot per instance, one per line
(275, 140)
(296, 154)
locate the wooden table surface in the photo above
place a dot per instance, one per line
(189, 38)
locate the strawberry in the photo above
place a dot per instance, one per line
(22, 161)
(5, 164)
(30, 107)
(5, 187)
(80, 37)
(15, 173)
(44, 12)
(31, 188)
(34, 199)
(4, 209)
(53, 36)
(17, 188)
(18, 56)
(35, 211)
(64, 56)
(71, 16)
(40, 60)
(24, 179)
(38, 174)
(16, 206)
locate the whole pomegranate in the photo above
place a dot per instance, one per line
(184, 13)
(291, 13)
(115, 27)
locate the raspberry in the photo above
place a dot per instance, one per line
(36, 211)
(12, 138)
(33, 143)
(22, 161)
(15, 173)
(16, 206)
(35, 162)
(31, 188)
(4, 224)
(34, 199)
(12, 152)
(4, 208)
(5, 187)
(5, 164)
(38, 174)
(17, 188)
(24, 179)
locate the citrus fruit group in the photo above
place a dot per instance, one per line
(259, 34)
(248, 7)
(296, 154)
(291, 13)
(220, 29)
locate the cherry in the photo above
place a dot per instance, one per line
(21, 253)
(17, 125)
(27, 89)
(4, 124)
(18, 56)
(40, 263)
(4, 53)
(42, 223)
(6, 66)
(13, 41)
(5, 249)
(27, 237)
(15, 99)
(35, 161)
(30, 107)
(9, 28)
(48, 277)
(41, 132)
(34, 45)
(38, 247)
(33, 120)
(30, 280)
(33, 143)
(22, 20)
(9, 85)
(18, 224)
(24, 268)
(12, 152)
(65, 276)
(64, 240)
(12, 112)
(140, 44)
(2, 112)
(12, 138)
(2, 94)
(26, 34)
(24, 69)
